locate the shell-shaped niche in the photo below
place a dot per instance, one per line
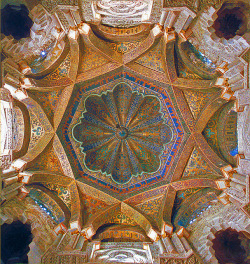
(122, 133)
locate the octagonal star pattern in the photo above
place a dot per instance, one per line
(77, 156)
(122, 133)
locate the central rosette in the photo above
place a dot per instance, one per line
(122, 133)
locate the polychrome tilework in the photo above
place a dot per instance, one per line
(196, 101)
(122, 133)
(190, 204)
(123, 47)
(90, 60)
(152, 59)
(75, 110)
(49, 101)
(221, 133)
(61, 71)
(183, 71)
(121, 218)
(152, 208)
(37, 130)
(61, 191)
(91, 206)
(48, 161)
(197, 166)
(46, 203)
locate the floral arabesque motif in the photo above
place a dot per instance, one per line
(122, 133)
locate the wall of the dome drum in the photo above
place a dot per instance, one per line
(182, 70)
(190, 204)
(18, 133)
(196, 62)
(221, 133)
(23, 129)
(15, 240)
(150, 139)
(120, 233)
(6, 147)
(46, 203)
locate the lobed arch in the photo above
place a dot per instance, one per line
(47, 197)
(138, 219)
(28, 212)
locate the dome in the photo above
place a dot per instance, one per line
(122, 133)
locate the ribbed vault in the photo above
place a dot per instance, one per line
(123, 134)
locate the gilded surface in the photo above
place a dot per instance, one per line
(61, 191)
(37, 130)
(124, 47)
(141, 87)
(187, 210)
(91, 59)
(48, 161)
(121, 218)
(152, 209)
(92, 206)
(197, 166)
(196, 101)
(153, 58)
(118, 137)
(221, 133)
(47, 204)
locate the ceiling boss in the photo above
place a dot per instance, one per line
(122, 133)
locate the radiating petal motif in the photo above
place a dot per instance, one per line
(91, 133)
(122, 171)
(122, 133)
(160, 134)
(96, 106)
(149, 161)
(122, 98)
(149, 107)
(136, 100)
(98, 159)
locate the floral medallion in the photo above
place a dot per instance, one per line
(122, 133)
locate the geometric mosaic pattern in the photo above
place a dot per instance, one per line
(152, 208)
(121, 151)
(37, 130)
(77, 157)
(196, 101)
(152, 59)
(197, 166)
(122, 133)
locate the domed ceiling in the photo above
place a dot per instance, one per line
(121, 133)
(124, 131)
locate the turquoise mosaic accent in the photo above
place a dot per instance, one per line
(48, 205)
(78, 105)
(123, 133)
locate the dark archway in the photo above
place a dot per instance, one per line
(231, 247)
(15, 21)
(231, 20)
(15, 240)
